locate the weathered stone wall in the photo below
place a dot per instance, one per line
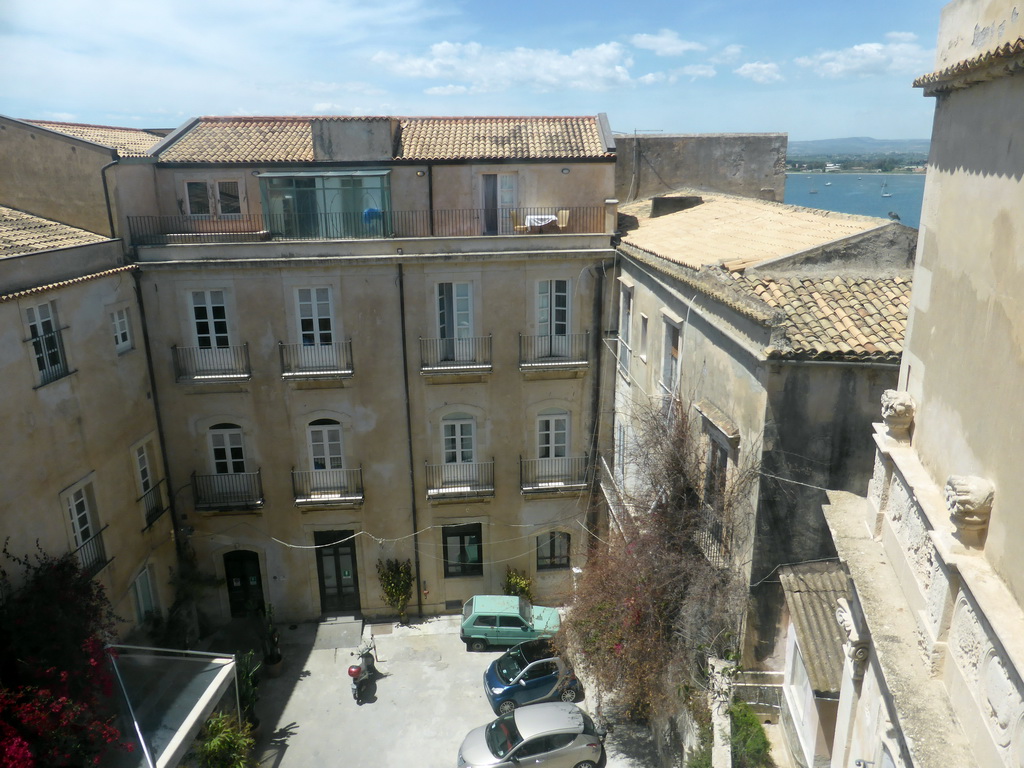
(748, 164)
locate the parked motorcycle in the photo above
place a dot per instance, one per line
(365, 671)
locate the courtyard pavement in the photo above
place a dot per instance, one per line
(428, 696)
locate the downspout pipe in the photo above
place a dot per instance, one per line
(114, 160)
(408, 429)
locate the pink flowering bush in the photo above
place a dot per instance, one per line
(54, 675)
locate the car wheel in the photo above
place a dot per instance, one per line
(586, 764)
(478, 645)
(569, 694)
(506, 706)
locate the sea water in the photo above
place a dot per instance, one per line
(860, 193)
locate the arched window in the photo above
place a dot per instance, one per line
(226, 449)
(325, 446)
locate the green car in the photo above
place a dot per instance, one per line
(503, 620)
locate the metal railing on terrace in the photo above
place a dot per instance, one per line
(469, 354)
(460, 479)
(92, 556)
(153, 503)
(48, 349)
(466, 222)
(561, 473)
(565, 351)
(328, 486)
(211, 363)
(316, 360)
(238, 490)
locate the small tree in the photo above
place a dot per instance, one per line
(396, 583)
(225, 743)
(518, 584)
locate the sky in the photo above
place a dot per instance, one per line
(811, 68)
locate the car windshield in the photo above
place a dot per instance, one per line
(588, 725)
(526, 610)
(502, 735)
(510, 664)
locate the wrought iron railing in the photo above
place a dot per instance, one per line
(624, 353)
(570, 349)
(324, 486)
(153, 503)
(237, 490)
(49, 353)
(712, 536)
(460, 479)
(91, 555)
(466, 222)
(199, 363)
(334, 359)
(562, 473)
(473, 353)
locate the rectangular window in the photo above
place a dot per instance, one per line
(463, 550)
(625, 325)
(47, 346)
(643, 338)
(145, 600)
(80, 504)
(670, 359)
(122, 329)
(209, 314)
(458, 441)
(226, 451)
(316, 316)
(325, 449)
(552, 550)
(204, 198)
(455, 321)
(341, 204)
(151, 497)
(552, 436)
(715, 477)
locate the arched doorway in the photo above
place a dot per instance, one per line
(244, 582)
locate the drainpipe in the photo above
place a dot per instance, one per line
(430, 200)
(408, 428)
(114, 160)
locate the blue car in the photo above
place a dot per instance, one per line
(529, 673)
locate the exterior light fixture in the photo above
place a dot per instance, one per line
(565, 170)
(421, 173)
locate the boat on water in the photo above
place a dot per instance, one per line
(884, 193)
(812, 191)
(828, 183)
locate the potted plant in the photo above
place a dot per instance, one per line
(271, 640)
(246, 671)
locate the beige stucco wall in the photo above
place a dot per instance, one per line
(82, 427)
(372, 409)
(52, 175)
(965, 359)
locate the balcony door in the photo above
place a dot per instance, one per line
(455, 321)
(459, 449)
(244, 583)
(336, 570)
(326, 455)
(210, 322)
(553, 318)
(500, 192)
(317, 350)
(552, 445)
(226, 449)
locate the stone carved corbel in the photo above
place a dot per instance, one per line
(898, 411)
(858, 646)
(969, 501)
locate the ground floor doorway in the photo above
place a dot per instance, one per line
(336, 571)
(244, 582)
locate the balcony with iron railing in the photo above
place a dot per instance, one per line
(228, 491)
(460, 480)
(465, 222)
(469, 355)
(316, 361)
(560, 474)
(328, 487)
(570, 350)
(91, 555)
(51, 362)
(211, 363)
(153, 504)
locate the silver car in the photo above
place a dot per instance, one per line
(553, 735)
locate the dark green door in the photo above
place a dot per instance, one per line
(244, 583)
(336, 569)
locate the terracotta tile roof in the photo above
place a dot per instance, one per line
(1006, 59)
(830, 318)
(64, 283)
(129, 142)
(243, 140)
(290, 139)
(500, 138)
(739, 232)
(22, 233)
(812, 593)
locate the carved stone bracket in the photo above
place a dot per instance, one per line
(898, 411)
(969, 501)
(858, 644)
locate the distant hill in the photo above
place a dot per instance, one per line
(860, 145)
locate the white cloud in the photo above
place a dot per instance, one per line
(652, 77)
(900, 55)
(760, 71)
(727, 55)
(480, 69)
(665, 43)
(692, 72)
(447, 90)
